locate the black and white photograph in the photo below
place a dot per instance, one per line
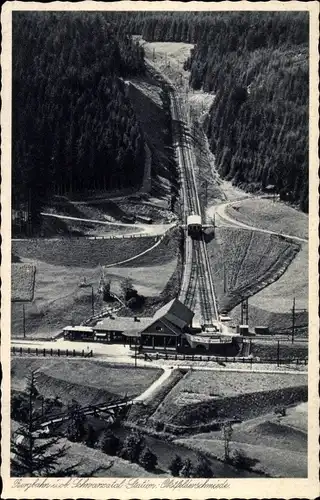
(160, 186)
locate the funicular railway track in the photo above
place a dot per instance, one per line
(197, 272)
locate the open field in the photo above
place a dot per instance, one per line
(275, 445)
(58, 300)
(274, 216)
(22, 282)
(88, 382)
(148, 280)
(167, 251)
(61, 266)
(293, 283)
(80, 252)
(249, 260)
(202, 397)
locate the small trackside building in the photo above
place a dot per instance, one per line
(78, 333)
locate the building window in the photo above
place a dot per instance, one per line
(158, 328)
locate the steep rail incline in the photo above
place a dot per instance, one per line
(197, 271)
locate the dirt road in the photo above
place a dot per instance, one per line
(225, 219)
(146, 229)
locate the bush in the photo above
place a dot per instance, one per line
(203, 468)
(187, 469)
(91, 437)
(109, 443)
(241, 460)
(132, 447)
(176, 466)
(148, 460)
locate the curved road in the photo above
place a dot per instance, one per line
(220, 210)
(148, 229)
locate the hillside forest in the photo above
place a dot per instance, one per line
(257, 66)
(74, 128)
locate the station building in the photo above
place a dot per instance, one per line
(164, 329)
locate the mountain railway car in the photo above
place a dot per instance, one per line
(194, 225)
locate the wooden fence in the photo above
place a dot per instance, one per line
(225, 359)
(36, 351)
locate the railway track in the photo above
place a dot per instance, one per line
(197, 272)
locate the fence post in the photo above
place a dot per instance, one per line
(21, 351)
(51, 352)
(28, 350)
(82, 353)
(67, 352)
(251, 360)
(44, 352)
(58, 352)
(36, 351)
(74, 352)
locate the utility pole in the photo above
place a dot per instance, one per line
(293, 319)
(92, 300)
(224, 279)
(278, 353)
(24, 321)
(135, 352)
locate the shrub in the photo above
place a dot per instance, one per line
(132, 447)
(147, 459)
(176, 466)
(203, 468)
(241, 460)
(91, 437)
(109, 443)
(187, 469)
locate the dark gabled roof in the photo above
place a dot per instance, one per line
(137, 332)
(177, 313)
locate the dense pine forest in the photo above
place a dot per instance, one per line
(257, 66)
(74, 128)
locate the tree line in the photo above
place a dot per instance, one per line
(73, 126)
(256, 64)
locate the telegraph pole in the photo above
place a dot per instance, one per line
(224, 279)
(293, 319)
(92, 300)
(135, 352)
(24, 321)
